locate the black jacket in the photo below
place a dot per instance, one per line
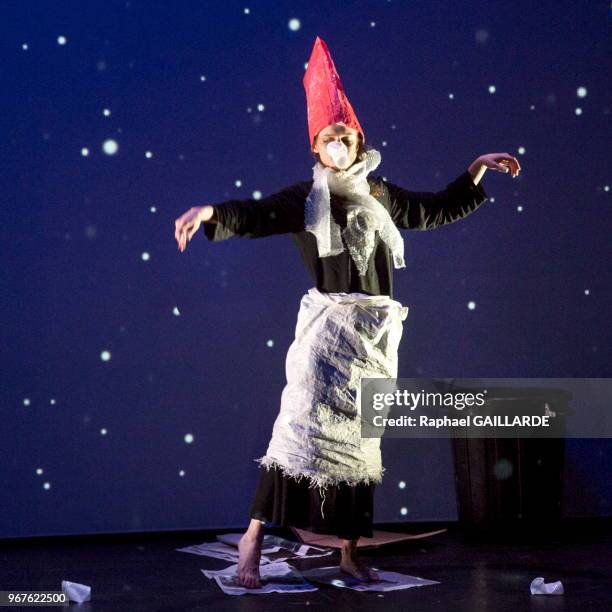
(283, 213)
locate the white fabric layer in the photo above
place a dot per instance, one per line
(365, 214)
(339, 338)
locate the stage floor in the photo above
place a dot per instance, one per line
(144, 572)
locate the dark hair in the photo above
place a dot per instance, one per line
(361, 150)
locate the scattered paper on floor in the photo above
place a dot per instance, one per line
(389, 581)
(272, 543)
(278, 577)
(218, 550)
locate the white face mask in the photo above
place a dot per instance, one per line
(339, 153)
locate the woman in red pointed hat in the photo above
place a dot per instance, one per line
(320, 474)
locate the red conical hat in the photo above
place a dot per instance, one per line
(325, 97)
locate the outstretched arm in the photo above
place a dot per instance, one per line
(425, 210)
(279, 213)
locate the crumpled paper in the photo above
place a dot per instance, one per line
(75, 591)
(539, 587)
(275, 578)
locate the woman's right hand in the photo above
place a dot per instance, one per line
(189, 223)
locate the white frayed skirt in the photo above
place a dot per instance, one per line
(339, 339)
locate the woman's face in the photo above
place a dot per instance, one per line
(338, 131)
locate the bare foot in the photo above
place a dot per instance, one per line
(358, 569)
(249, 548)
(351, 564)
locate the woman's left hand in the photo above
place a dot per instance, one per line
(502, 162)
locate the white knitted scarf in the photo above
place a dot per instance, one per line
(365, 214)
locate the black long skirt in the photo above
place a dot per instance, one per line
(347, 511)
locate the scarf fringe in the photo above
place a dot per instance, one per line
(318, 480)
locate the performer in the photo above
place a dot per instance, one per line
(318, 473)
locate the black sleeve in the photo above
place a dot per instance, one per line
(425, 210)
(279, 213)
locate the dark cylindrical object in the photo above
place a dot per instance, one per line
(506, 483)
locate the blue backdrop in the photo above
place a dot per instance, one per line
(138, 382)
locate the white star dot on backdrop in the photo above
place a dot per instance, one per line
(110, 146)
